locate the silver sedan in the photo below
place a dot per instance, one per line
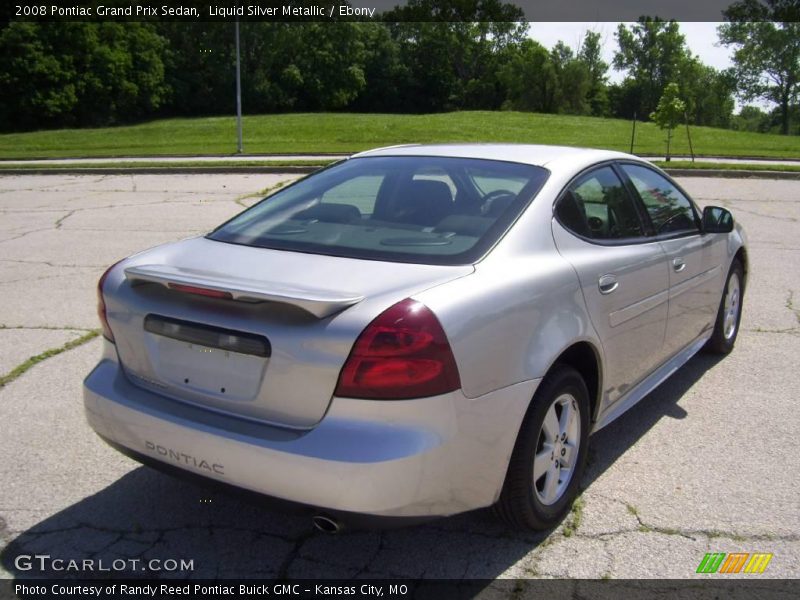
(416, 331)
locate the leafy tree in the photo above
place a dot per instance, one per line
(654, 53)
(454, 61)
(285, 66)
(386, 74)
(529, 78)
(669, 112)
(751, 118)
(322, 66)
(624, 99)
(766, 40)
(199, 67)
(590, 54)
(708, 94)
(572, 77)
(75, 73)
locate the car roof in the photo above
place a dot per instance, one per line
(531, 154)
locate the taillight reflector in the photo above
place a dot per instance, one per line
(404, 353)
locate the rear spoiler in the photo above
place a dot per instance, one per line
(320, 303)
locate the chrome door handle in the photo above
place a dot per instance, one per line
(678, 265)
(607, 284)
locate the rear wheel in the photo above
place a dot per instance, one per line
(550, 454)
(729, 315)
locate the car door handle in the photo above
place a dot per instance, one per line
(607, 284)
(678, 265)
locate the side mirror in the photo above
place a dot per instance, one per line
(717, 220)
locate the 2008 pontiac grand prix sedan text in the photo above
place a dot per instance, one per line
(416, 331)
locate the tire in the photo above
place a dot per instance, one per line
(527, 501)
(729, 314)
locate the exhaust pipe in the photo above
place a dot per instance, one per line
(326, 524)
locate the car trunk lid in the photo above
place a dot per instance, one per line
(254, 332)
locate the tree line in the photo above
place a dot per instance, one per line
(79, 74)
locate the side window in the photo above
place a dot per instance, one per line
(598, 206)
(669, 210)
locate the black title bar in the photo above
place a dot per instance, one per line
(737, 588)
(375, 10)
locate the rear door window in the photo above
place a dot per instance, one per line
(598, 206)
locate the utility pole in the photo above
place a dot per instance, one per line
(239, 149)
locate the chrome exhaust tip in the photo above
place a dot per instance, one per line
(326, 524)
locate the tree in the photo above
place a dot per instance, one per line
(654, 53)
(529, 78)
(454, 51)
(199, 67)
(669, 112)
(285, 66)
(708, 94)
(572, 78)
(751, 118)
(75, 73)
(387, 76)
(766, 41)
(590, 54)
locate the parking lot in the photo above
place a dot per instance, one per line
(706, 463)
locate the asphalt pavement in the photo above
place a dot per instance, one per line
(705, 463)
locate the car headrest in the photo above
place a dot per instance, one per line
(424, 202)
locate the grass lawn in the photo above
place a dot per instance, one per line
(166, 165)
(685, 164)
(341, 132)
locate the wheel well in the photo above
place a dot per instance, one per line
(582, 357)
(741, 256)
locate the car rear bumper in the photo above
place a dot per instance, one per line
(412, 458)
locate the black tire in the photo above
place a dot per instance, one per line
(520, 505)
(720, 343)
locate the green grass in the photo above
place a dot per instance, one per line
(340, 132)
(35, 360)
(685, 164)
(575, 517)
(171, 164)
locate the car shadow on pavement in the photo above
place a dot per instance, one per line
(146, 516)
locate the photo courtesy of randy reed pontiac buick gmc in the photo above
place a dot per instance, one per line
(416, 331)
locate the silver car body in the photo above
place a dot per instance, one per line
(274, 426)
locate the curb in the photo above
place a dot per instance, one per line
(733, 173)
(711, 157)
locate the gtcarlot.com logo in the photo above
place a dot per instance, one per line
(45, 563)
(736, 562)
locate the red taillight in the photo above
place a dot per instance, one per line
(402, 354)
(200, 291)
(101, 304)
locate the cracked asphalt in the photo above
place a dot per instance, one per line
(706, 463)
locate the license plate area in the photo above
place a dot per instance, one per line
(201, 360)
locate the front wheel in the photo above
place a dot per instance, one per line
(729, 315)
(550, 454)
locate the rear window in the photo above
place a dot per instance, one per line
(423, 209)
